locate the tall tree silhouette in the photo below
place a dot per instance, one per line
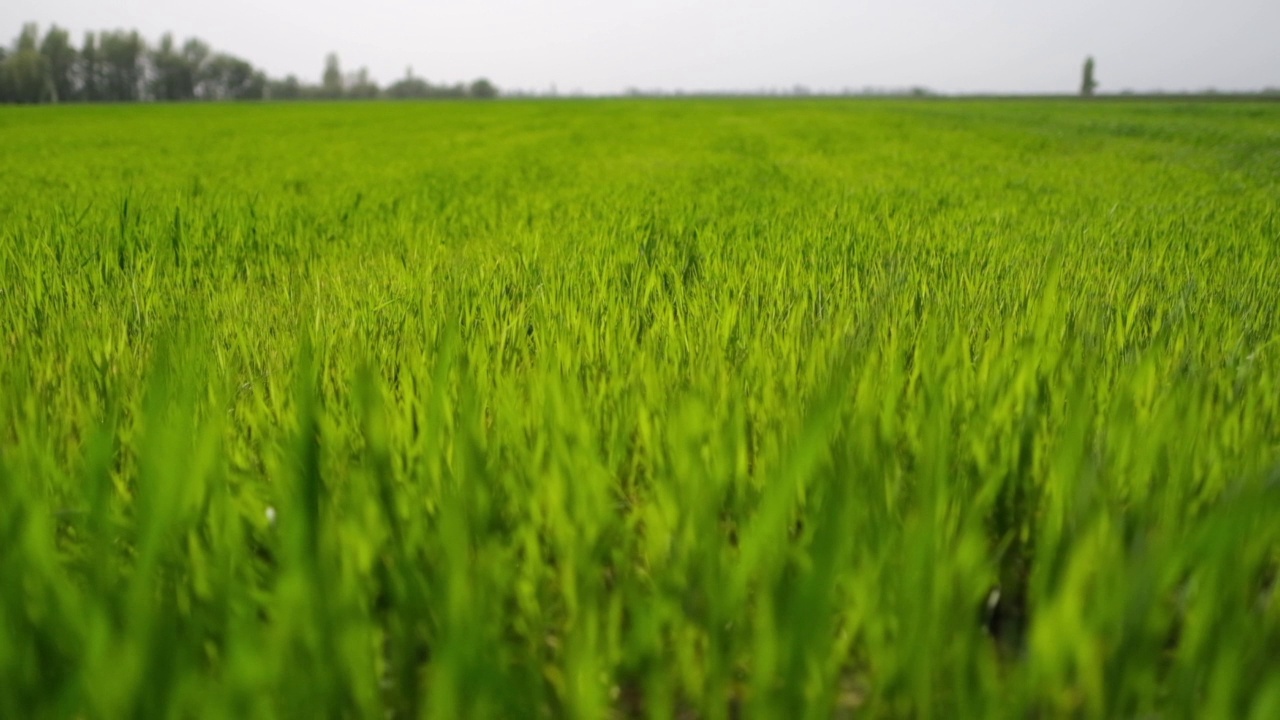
(24, 70)
(172, 76)
(332, 81)
(1088, 84)
(124, 61)
(59, 64)
(89, 69)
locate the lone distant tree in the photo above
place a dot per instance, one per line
(1088, 84)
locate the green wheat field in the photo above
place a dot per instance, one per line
(641, 409)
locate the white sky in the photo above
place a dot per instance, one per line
(602, 46)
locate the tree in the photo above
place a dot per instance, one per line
(89, 69)
(409, 87)
(482, 89)
(332, 81)
(27, 39)
(122, 55)
(25, 77)
(195, 55)
(1088, 84)
(5, 92)
(173, 76)
(25, 73)
(286, 89)
(360, 86)
(60, 64)
(230, 78)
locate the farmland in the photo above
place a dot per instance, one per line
(683, 408)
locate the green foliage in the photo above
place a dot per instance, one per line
(119, 67)
(640, 409)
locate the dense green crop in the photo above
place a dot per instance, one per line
(640, 409)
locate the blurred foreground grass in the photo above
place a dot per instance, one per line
(640, 409)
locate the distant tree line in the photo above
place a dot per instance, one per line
(120, 66)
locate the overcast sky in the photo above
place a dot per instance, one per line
(602, 46)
